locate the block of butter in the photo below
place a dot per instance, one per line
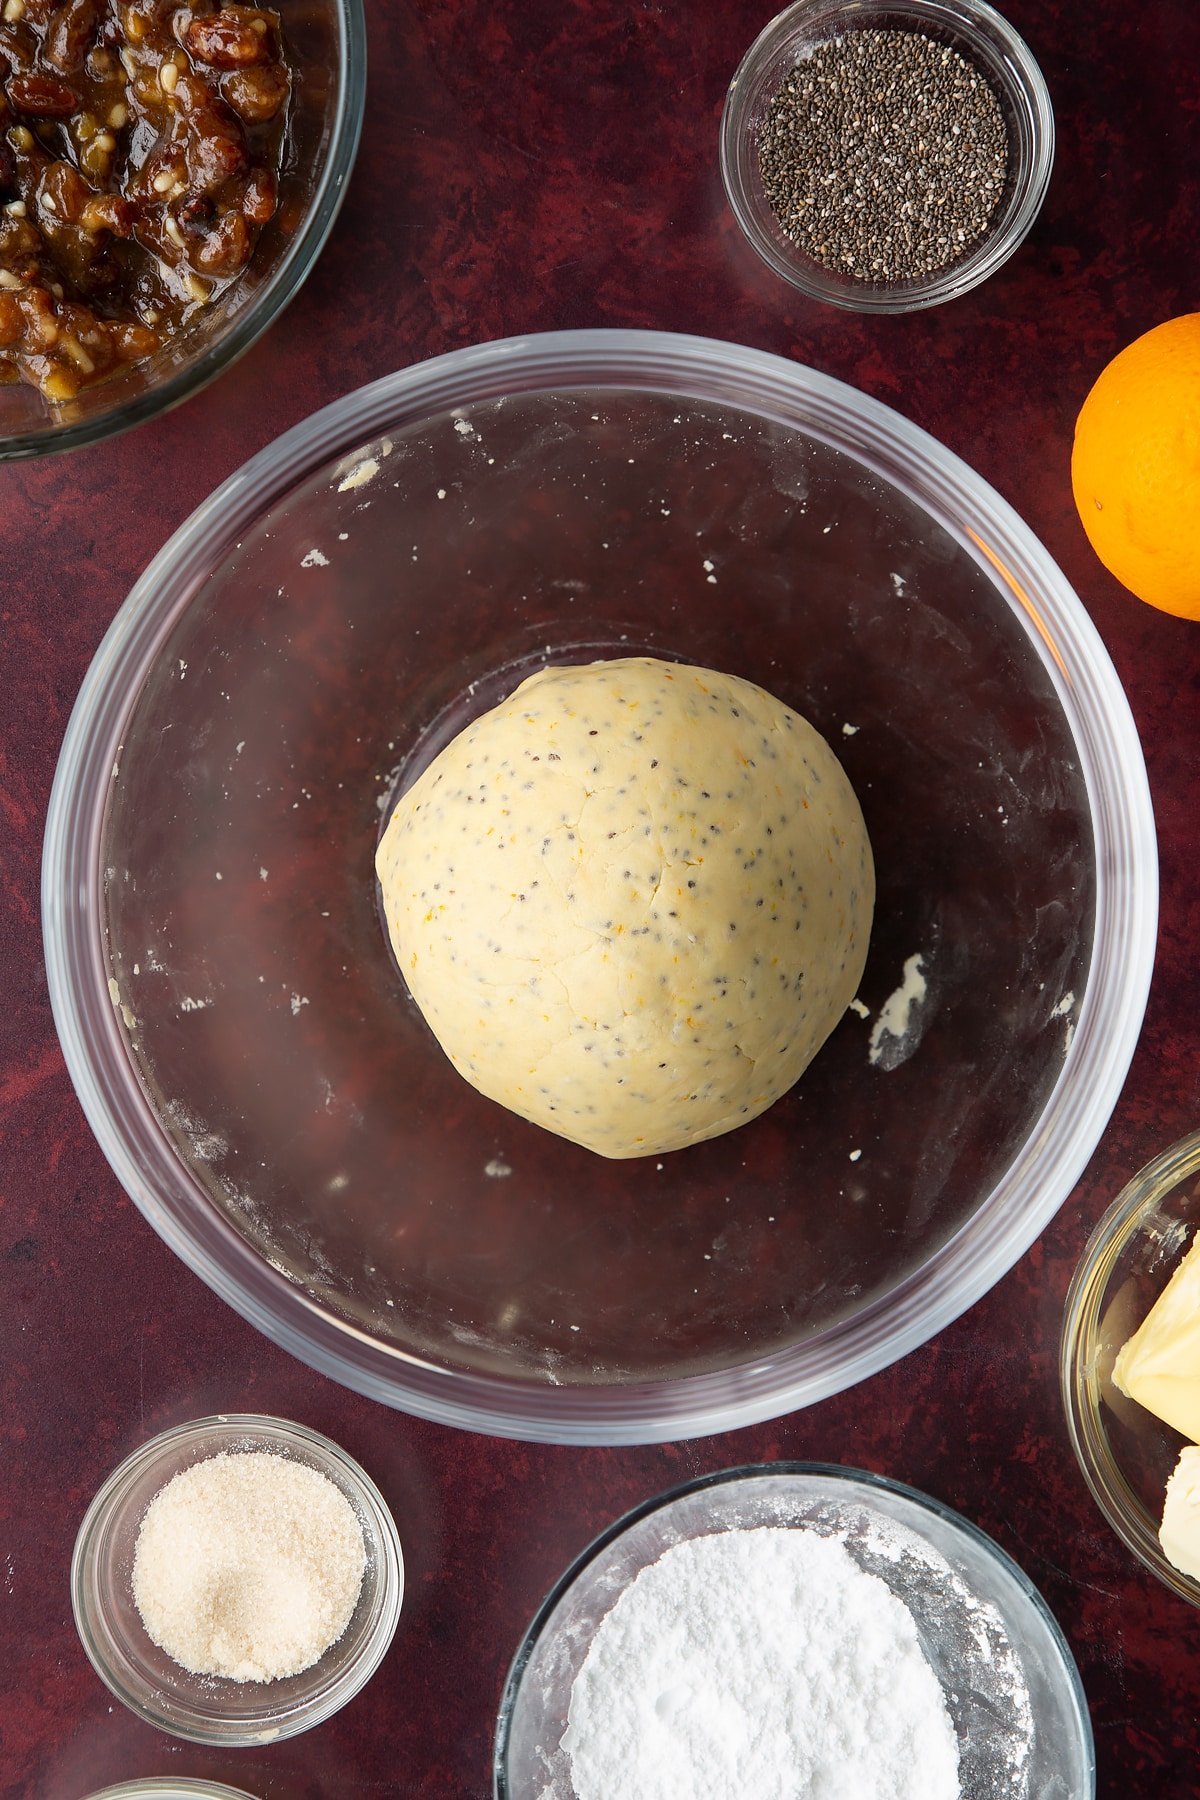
(1180, 1532)
(1159, 1367)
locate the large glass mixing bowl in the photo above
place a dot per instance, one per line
(242, 1043)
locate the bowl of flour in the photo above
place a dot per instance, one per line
(795, 1631)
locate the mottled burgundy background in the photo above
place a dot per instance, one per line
(528, 165)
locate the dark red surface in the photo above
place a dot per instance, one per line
(528, 166)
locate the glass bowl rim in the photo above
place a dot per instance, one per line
(388, 1579)
(838, 1474)
(1014, 67)
(1106, 1483)
(278, 288)
(169, 1787)
(1057, 1148)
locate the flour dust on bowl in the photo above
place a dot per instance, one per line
(243, 1043)
(954, 1680)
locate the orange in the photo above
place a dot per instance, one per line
(1135, 466)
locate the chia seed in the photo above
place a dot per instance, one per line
(884, 155)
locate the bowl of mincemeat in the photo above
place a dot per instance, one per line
(603, 888)
(168, 176)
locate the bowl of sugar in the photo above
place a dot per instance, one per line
(237, 1579)
(794, 1627)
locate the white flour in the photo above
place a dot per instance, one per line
(759, 1662)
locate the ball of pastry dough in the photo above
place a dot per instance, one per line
(632, 901)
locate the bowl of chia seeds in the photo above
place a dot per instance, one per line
(887, 155)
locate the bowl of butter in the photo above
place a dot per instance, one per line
(1130, 1366)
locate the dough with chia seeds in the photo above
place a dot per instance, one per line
(632, 901)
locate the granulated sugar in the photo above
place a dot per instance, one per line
(759, 1662)
(248, 1565)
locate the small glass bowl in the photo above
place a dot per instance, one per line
(982, 37)
(327, 41)
(1011, 1686)
(1126, 1454)
(163, 1787)
(209, 1709)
